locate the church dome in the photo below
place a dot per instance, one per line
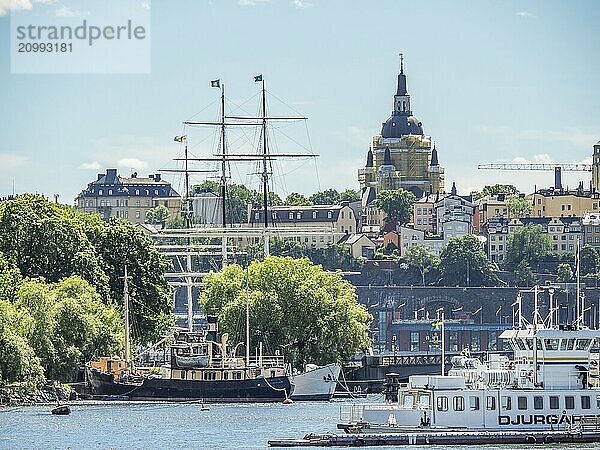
(401, 125)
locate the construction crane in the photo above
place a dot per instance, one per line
(557, 167)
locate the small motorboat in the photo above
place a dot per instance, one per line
(61, 410)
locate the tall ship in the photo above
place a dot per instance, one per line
(551, 383)
(200, 368)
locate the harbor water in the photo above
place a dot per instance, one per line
(124, 425)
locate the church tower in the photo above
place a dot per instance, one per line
(595, 168)
(402, 156)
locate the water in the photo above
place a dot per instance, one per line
(172, 425)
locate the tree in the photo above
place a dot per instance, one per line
(70, 325)
(397, 204)
(422, 258)
(157, 215)
(564, 273)
(524, 274)
(529, 243)
(349, 195)
(495, 189)
(519, 206)
(49, 240)
(589, 260)
(326, 197)
(463, 262)
(295, 199)
(295, 305)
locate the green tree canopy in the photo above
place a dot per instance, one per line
(295, 305)
(326, 197)
(524, 274)
(397, 204)
(49, 240)
(349, 195)
(157, 215)
(519, 206)
(529, 243)
(422, 258)
(295, 199)
(463, 262)
(495, 189)
(589, 260)
(564, 272)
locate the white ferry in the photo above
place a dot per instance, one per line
(551, 384)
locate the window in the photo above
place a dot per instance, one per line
(442, 403)
(155, 191)
(291, 215)
(99, 191)
(137, 214)
(582, 344)
(329, 214)
(137, 192)
(492, 341)
(473, 403)
(551, 344)
(538, 402)
(569, 402)
(458, 404)
(475, 342)
(554, 402)
(522, 402)
(418, 211)
(424, 400)
(137, 203)
(314, 214)
(585, 402)
(298, 215)
(414, 341)
(409, 401)
(490, 403)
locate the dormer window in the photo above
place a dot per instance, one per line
(314, 214)
(256, 216)
(291, 215)
(99, 191)
(329, 214)
(298, 215)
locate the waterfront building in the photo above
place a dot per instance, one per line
(402, 155)
(361, 246)
(488, 207)
(331, 222)
(564, 232)
(130, 198)
(591, 230)
(565, 203)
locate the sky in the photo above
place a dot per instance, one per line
(491, 81)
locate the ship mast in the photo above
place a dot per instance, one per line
(126, 314)
(265, 174)
(223, 176)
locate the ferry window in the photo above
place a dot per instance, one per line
(424, 400)
(598, 401)
(554, 402)
(490, 403)
(528, 343)
(225, 375)
(522, 402)
(458, 403)
(506, 403)
(582, 344)
(442, 403)
(570, 344)
(551, 344)
(569, 402)
(409, 401)
(538, 402)
(474, 403)
(414, 341)
(585, 402)
(520, 344)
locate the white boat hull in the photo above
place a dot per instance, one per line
(316, 384)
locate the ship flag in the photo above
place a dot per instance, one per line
(258, 78)
(215, 83)
(437, 324)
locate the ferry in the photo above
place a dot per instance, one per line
(551, 384)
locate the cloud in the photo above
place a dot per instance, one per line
(65, 11)
(302, 4)
(145, 5)
(542, 158)
(251, 2)
(525, 14)
(12, 5)
(11, 161)
(95, 165)
(132, 163)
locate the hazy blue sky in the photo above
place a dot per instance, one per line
(490, 80)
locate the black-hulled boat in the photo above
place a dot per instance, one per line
(199, 369)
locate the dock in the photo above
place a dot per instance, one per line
(440, 438)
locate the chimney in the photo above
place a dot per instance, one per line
(157, 177)
(100, 175)
(558, 178)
